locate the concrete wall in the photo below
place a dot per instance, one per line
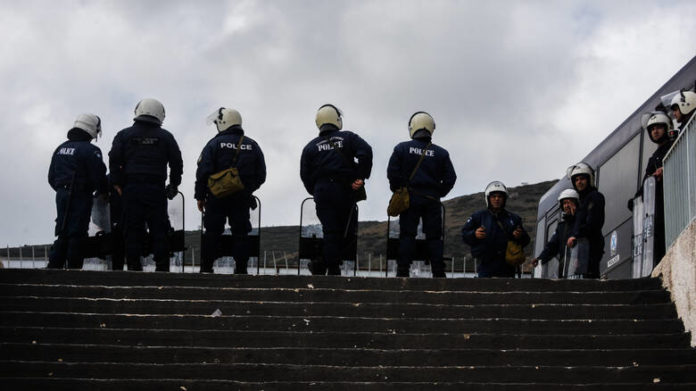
(678, 272)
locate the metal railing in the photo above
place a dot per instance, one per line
(680, 183)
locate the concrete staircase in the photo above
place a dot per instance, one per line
(79, 330)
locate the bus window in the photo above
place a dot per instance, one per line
(539, 243)
(648, 148)
(550, 269)
(617, 181)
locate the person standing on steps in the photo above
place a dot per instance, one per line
(589, 216)
(488, 232)
(333, 168)
(426, 170)
(76, 172)
(230, 148)
(138, 163)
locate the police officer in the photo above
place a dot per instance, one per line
(488, 231)
(76, 171)
(569, 201)
(659, 128)
(589, 217)
(329, 172)
(432, 179)
(229, 148)
(683, 106)
(138, 164)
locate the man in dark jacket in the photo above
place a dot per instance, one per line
(329, 173)
(589, 217)
(488, 232)
(683, 106)
(76, 171)
(229, 148)
(432, 179)
(138, 163)
(569, 201)
(658, 126)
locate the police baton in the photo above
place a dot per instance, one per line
(67, 205)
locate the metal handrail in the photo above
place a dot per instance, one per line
(679, 183)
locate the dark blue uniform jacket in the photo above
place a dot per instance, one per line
(218, 154)
(321, 162)
(490, 251)
(557, 243)
(140, 154)
(78, 158)
(589, 219)
(435, 176)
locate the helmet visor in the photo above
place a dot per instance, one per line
(667, 99)
(214, 116)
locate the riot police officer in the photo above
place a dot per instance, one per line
(426, 170)
(229, 148)
(329, 172)
(568, 200)
(488, 232)
(683, 107)
(589, 217)
(138, 164)
(76, 171)
(659, 128)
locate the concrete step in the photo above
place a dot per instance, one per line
(81, 384)
(341, 295)
(339, 309)
(333, 324)
(124, 278)
(344, 356)
(373, 340)
(288, 372)
(78, 330)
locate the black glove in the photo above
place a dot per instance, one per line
(171, 191)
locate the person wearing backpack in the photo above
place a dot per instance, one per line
(331, 174)
(237, 159)
(492, 232)
(426, 173)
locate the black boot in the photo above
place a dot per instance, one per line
(334, 270)
(403, 271)
(240, 268)
(317, 267)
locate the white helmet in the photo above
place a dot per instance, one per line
(90, 123)
(569, 194)
(329, 114)
(421, 120)
(685, 101)
(224, 118)
(655, 118)
(581, 168)
(493, 187)
(150, 110)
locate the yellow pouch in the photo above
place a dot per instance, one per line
(514, 253)
(225, 183)
(399, 202)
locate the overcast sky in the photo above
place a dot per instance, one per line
(519, 89)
